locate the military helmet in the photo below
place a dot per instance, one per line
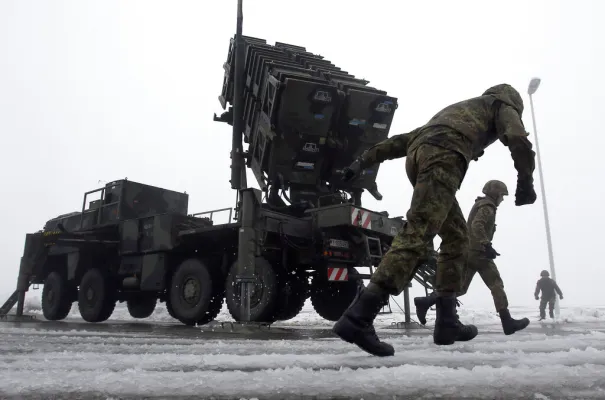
(506, 94)
(495, 188)
(544, 273)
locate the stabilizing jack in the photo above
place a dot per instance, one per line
(23, 283)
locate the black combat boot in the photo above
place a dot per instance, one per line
(448, 328)
(551, 314)
(511, 325)
(356, 323)
(465, 332)
(422, 306)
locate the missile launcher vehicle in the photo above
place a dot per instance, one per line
(303, 234)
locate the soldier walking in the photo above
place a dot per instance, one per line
(548, 286)
(482, 226)
(437, 157)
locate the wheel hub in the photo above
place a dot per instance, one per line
(191, 291)
(51, 295)
(256, 293)
(90, 294)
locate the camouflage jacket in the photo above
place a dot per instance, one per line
(481, 223)
(468, 127)
(548, 287)
(389, 149)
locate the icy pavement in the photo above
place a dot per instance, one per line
(157, 358)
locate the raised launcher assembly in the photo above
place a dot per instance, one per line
(305, 119)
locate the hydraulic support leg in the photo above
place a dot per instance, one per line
(247, 248)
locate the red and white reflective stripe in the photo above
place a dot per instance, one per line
(338, 274)
(361, 218)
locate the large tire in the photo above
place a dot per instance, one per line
(331, 299)
(264, 299)
(57, 297)
(294, 291)
(196, 295)
(141, 306)
(96, 296)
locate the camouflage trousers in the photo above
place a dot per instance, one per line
(436, 174)
(551, 305)
(491, 277)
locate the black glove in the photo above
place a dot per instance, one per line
(537, 297)
(352, 171)
(525, 193)
(490, 252)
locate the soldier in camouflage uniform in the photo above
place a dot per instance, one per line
(437, 157)
(482, 226)
(549, 289)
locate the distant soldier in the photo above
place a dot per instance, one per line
(548, 287)
(482, 226)
(437, 158)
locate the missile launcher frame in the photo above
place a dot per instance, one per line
(304, 234)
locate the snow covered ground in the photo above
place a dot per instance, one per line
(79, 360)
(308, 317)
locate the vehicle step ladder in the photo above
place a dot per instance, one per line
(374, 252)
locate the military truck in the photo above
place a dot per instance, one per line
(117, 248)
(138, 245)
(303, 234)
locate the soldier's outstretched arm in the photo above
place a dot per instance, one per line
(537, 291)
(482, 223)
(512, 134)
(558, 290)
(389, 149)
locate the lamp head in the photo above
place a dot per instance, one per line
(533, 86)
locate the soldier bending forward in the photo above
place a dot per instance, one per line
(437, 157)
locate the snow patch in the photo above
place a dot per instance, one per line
(123, 361)
(405, 380)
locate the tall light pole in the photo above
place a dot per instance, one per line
(532, 88)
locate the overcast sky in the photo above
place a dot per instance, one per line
(101, 90)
